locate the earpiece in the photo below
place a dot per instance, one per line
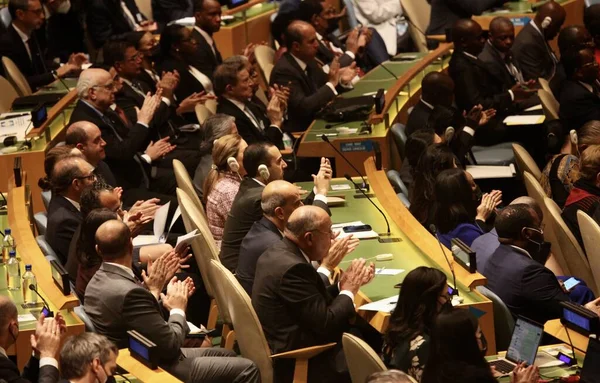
(264, 172)
(449, 134)
(234, 166)
(574, 142)
(546, 22)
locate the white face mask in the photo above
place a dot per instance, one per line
(64, 7)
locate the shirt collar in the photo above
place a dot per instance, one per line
(3, 352)
(24, 36)
(127, 269)
(587, 86)
(240, 105)
(206, 36)
(93, 107)
(305, 256)
(75, 203)
(258, 182)
(521, 250)
(470, 55)
(503, 55)
(427, 104)
(302, 64)
(319, 37)
(534, 25)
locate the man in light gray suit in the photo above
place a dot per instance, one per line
(116, 303)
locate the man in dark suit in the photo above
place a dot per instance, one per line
(63, 29)
(444, 13)
(94, 352)
(208, 22)
(291, 301)
(233, 85)
(113, 18)
(70, 177)
(532, 52)
(263, 163)
(165, 11)
(526, 286)
(579, 100)
(116, 303)
(310, 88)
(42, 366)
(24, 43)
(436, 89)
(279, 200)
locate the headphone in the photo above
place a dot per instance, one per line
(574, 142)
(546, 22)
(264, 172)
(233, 165)
(449, 133)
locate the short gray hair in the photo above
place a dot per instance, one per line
(271, 202)
(8, 311)
(389, 376)
(215, 126)
(79, 351)
(85, 83)
(236, 60)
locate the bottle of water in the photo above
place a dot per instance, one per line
(8, 245)
(14, 272)
(29, 297)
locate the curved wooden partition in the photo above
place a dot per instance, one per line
(54, 112)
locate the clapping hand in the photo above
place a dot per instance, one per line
(136, 223)
(47, 337)
(323, 177)
(148, 207)
(160, 271)
(347, 74)
(159, 149)
(489, 203)
(149, 107)
(522, 374)
(177, 295)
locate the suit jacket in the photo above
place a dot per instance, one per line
(105, 19)
(246, 128)
(116, 303)
(35, 69)
(524, 285)
(293, 304)
(65, 35)
(326, 55)
(307, 95)
(205, 60)
(63, 221)
(484, 247)
(119, 152)
(491, 59)
(444, 13)
(188, 84)
(577, 105)
(532, 53)
(32, 373)
(165, 11)
(246, 210)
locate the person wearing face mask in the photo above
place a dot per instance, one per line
(526, 286)
(88, 358)
(423, 295)
(42, 366)
(63, 29)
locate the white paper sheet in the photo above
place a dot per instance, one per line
(534, 108)
(160, 220)
(534, 119)
(14, 126)
(143, 240)
(195, 329)
(186, 240)
(386, 305)
(480, 172)
(26, 318)
(341, 187)
(385, 271)
(176, 216)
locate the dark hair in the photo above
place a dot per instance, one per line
(435, 85)
(86, 243)
(454, 354)
(568, 38)
(279, 25)
(436, 158)
(226, 74)
(511, 220)
(255, 155)
(440, 119)
(416, 144)
(572, 61)
(54, 155)
(198, 5)
(74, 136)
(90, 198)
(134, 38)
(417, 306)
(170, 36)
(66, 169)
(14, 5)
(114, 51)
(292, 35)
(454, 201)
(309, 8)
(388, 376)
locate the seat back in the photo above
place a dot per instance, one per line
(44, 246)
(46, 197)
(535, 191)
(590, 232)
(351, 13)
(574, 255)
(81, 314)
(248, 330)
(362, 361)
(184, 182)
(399, 134)
(202, 113)
(525, 162)
(15, 77)
(145, 7)
(549, 104)
(545, 85)
(418, 12)
(41, 222)
(504, 323)
(265, 58)
(7, 95)
(5, 17)
(211, 105)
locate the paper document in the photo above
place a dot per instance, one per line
(160, 222)
(26, 318)
(543, 359)
(184, 241)
(14, 124)
(338, 227)
(335, 201)
(341, 187)
(534, 108)
(186, 21)
(386, 305)
(525, 120)
(480, 172)
(384, 271)
(195, 329)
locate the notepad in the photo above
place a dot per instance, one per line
(525, 120)
(160, 222)
(384, 271)
(534, 108)
(481, 172)
(386, 305)
(184, 241)
(335, 201)
(341, 187)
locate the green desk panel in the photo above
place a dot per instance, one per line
(253, 11)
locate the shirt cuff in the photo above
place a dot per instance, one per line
(319, 197)
(347, 86)
(143, 124)
(469, 131)
(348, 293)
(512, 95)
(48, 362)
(275, 126)
(351, 54)
(330, 85)
(324, 271)
(166, 101)
(147, 158)
(177, 312)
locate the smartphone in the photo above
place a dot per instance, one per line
(47, 312)
(570, 283)
(566, 359)
(451, 291)
(357, 228)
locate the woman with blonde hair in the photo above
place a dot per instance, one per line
(223, 181)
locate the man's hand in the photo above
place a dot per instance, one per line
(334, 72)
(168, 83)
(274, 112)
(148, 207)
(352, 43)
(522, 93)
(46, 340)
(149, 107)
(190, 285)
(281, 92)
(594, 306)
(356, 276)
(160, 271)
(136, 223)
(188, 105)
(183, 256)
(249, 52)
(159, 149)
(347, 74)
(147, 26)
(486, 116)
(177, 295)
(338, 250)
(323, 177)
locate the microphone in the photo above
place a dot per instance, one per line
(389, 71)
(433, 229)
(329, 126)
(32, 288)
(365, 185)
(373, 203)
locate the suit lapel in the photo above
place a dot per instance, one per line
(303, 74)
(206, 46)
(22, 50)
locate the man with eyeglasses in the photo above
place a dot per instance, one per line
(71, 176)
(25, 44)
(526, 286)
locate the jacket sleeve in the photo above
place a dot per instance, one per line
(379, 11)
(542, 290)
(528, 58)
(468, 90)
(124, 150)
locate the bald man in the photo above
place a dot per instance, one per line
(279, 200)
(436, 89)
(86, 137)
(531, 49)
(42, 366)
(293, 305)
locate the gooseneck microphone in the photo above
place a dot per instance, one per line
(433, 229)
(389, 71)
(388, 233)
(32, 288)
(365, 185)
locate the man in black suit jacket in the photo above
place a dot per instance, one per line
(444, 13)
(165, 11)
(526, 286)
(70, 177)
(531, 49)
(94, 352)
(263, 163)
(310, 88)
(63, 29)
(208, 22)
(42, 366)
(234, 87)
(291, 301)
(579, 100)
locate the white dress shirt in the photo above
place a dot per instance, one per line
(25, 37)
(327, 273)
(43, 361)
(203, 79)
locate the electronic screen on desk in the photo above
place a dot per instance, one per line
(576, 319)
(139, 348)
(231, 4)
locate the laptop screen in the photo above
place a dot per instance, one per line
(524, 342)
(590, 373)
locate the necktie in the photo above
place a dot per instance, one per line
(217, 54)
(309, 76)
(37, 61)
(123, 117)
(259, 124)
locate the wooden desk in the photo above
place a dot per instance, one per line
(143, 373)
(557, 330)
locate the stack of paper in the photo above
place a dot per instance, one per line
(386, 305)
(160, 222)
(338, 227)
(480, 172)
(525, 119)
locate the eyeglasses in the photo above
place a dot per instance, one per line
(135, 57)
(330, 232)
(91, 177)
(37, 12)
(109, 86)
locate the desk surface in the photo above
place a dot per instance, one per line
(141, 372)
